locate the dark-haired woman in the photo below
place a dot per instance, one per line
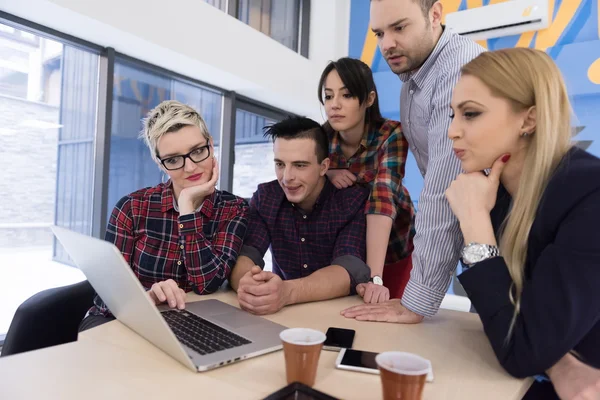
(366, 149)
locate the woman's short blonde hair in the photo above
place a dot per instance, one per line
(170, 116)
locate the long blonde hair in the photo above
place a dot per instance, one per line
(527, 78)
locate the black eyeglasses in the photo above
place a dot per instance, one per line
(177, 162)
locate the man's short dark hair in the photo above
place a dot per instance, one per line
(300, 128)
(425, 5)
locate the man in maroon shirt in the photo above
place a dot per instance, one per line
(316, 232)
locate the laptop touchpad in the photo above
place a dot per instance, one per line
(236, 319)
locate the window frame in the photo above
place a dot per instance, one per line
(303, 23)
(231, 101)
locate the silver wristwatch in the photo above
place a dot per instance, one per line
(477, 252)
(376, 280)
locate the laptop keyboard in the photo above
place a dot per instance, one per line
(201, 335)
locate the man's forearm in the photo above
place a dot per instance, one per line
(437, 248)
(378, 237)
(327, 283)
(242, 266)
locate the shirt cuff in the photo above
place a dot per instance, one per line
(374, 210)
(252, 253)
(358, 270)
(190, 223)
(422, 299)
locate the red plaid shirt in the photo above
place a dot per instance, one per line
(379, 164)
(196, 250)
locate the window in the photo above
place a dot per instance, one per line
(138, 89)
(57, 94)
(220, 4)
(48, 109)
(286, 21)
(253, 153)
(279, 19)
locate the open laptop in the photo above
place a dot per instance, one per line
(206, 335)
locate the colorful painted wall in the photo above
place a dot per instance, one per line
(572, 39)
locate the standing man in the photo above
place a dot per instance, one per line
(427, 58)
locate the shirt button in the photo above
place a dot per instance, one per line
(178, 262)
(182, 247)
(181, 225)
(305, 265)
(302, 240)
(411, 91)
(304, 216)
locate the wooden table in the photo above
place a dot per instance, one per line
(113, 362)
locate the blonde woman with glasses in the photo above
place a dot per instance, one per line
(531, 226)
(184, 234)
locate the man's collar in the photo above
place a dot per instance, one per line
(325, 193)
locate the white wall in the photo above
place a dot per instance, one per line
(200, 41)
(329, 30)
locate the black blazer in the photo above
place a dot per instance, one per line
(560, 303)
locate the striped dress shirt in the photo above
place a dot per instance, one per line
(425, 114)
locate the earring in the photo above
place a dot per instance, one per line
(525, 134)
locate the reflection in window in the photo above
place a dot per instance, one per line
(253, 159)
(253, 153)
(278, 19)
(136, 92)
(48, 107)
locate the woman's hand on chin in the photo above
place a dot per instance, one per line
(473, 194)
(191, 197)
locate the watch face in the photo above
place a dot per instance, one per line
(377, 280)
(475, 253)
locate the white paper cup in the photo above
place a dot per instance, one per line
(302, 336)
(403, 363)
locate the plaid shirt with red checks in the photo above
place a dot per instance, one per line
(379, 164)
(196, 250)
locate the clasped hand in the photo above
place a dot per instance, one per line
(262, 292)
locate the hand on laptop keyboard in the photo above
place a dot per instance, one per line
(168, 292)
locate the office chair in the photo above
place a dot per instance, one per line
(48, 318)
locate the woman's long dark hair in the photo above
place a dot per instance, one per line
(358, 79)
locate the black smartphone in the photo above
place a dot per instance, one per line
(338, 338)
